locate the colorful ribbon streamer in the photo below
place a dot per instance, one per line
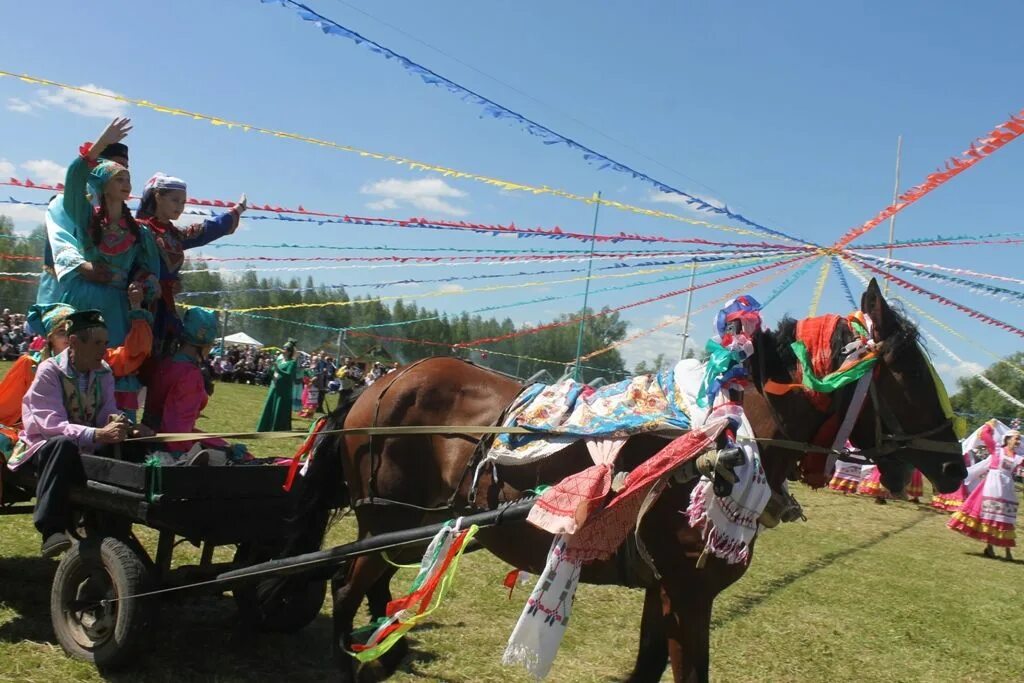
(326, 218)
(676, 319)
(946, 328)
(785, 284)
(494, 288)
(609, 311)
(454, 278)
(984, 380)
(842, 281)
(949, 302)
(1004, 133)
(380, 156)
(497, 111)
(819, 289)
(934, 266)
(953, 241)
(1008, 295)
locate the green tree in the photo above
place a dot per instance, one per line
(980, 402)
(19, 254)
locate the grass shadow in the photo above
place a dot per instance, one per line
(746, 603)
(25, 589)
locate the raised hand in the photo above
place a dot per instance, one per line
(116, 131)
(242, 205)
(135, 295)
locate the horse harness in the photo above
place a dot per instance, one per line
(889, 433)
(472, 464)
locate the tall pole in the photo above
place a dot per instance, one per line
(223, 331)
(586, 289)
(689, 306)
(892, 218)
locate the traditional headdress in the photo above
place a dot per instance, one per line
(101, 175)
(162, 181)
(200, 326)
(43, 319)
(114, 149)
(80, 321)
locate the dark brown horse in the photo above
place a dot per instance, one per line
(412, 480)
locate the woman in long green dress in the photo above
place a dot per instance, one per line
(277, 410)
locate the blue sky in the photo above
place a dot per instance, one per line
(788, 112)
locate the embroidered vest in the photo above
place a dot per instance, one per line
(81, 409)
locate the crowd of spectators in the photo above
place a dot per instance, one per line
(14, 339)
(252, 365)
(243, 365)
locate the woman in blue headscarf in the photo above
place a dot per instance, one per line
(99, 249)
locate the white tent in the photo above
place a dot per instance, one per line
(241, 338)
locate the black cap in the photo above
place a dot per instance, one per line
(114, 149)
(85, 320)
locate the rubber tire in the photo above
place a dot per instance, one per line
(127, 575)
(289, 613)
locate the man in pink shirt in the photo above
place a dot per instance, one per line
(69, 409)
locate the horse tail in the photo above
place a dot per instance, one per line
(287, 603)
(322, 491)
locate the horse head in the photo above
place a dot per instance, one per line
(908, 422)
(902, 421)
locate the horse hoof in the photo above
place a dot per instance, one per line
(392, 659)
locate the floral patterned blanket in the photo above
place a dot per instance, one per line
(639, 404)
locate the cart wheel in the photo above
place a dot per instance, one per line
(284, 605)
(110, 634)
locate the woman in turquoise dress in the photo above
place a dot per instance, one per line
(98, 250)
(277, 411)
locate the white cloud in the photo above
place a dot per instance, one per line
(85, 104)
(19, 105)
(681, 201)
(427, 194)
(25, 217)
(451, 289)
(45, 171)
(951, 372)
(668, 340)
(6, 169)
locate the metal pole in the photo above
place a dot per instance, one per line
(509, 514)
(892, 218)
(586, 289)
(689, 306)
(223, 332)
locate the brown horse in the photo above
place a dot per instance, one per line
(407, 481)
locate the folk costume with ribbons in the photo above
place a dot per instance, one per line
(129, 256)
(177, 393)
(172, 242)
(989, 513)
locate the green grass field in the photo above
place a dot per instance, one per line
(858, 592)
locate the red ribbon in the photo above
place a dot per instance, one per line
(306, 447)
(1005, 132)
(943, 300)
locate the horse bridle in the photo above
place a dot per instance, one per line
(889, 434)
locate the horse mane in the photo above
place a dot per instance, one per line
(778, 361)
